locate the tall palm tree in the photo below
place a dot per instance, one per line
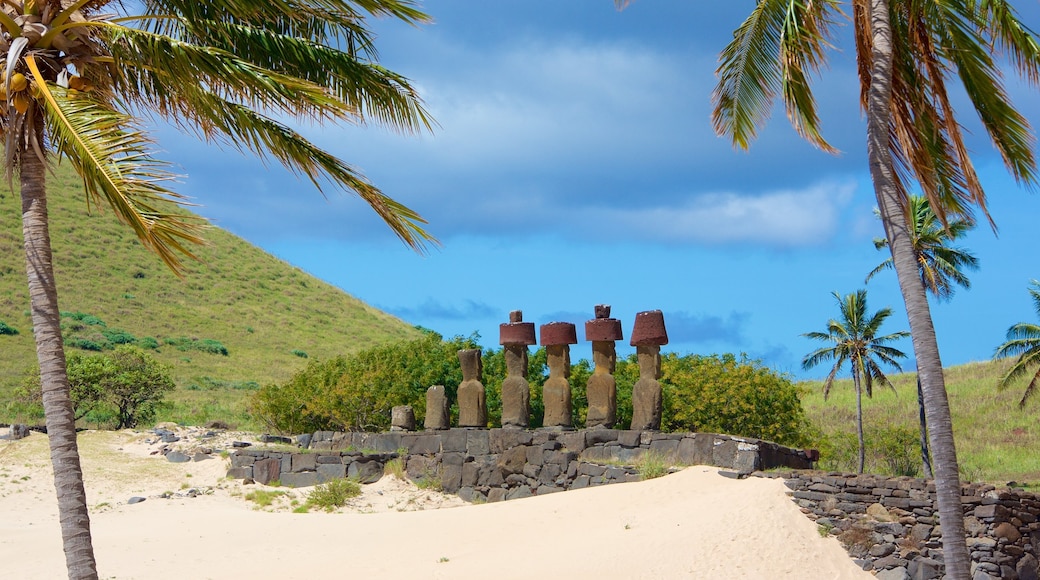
(905, 53)
(853, 339)
(941, 268)
(1023, 341)
(77, 75)
(940, 264)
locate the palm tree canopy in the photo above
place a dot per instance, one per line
(781, 45)
(1023, 341)
(941, 265)
(853, 338)
(80, 76)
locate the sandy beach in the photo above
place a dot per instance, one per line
(195, 523)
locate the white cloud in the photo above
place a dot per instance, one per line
(787, 217)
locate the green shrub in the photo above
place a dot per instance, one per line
(894, 450)
(724, 394)
(124, 388)
(148, 343)
(357, 392)
(116, 336)
(87, 319)
(298, 352)
(86, 344)
(334, 494)
(5, 329)
(207, 345)
(652, 465)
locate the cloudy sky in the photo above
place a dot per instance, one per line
(574, 164)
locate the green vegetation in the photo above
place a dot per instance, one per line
(254, 305)
(334, 494)
(5, 329)
(357, 392)
(263, 497)
(853, 338)
(996, 441)
(652, 465)
(123, 389)
(1023, 341)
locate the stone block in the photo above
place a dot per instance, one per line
(267, 470)
(242, 460)
(470, 474)
(329, 471)
(477, 442)
(724, 453)
(600, 436)
(402, 418)
(241, 472)
(629, 438)
(304, 462)
(500, 440)
(438, 414)
(453, 441)
(535, 455)
(512, 461)
(582, 481)
(422, 444)
(326, 458)
(519, 492)
(302, 479)
(573, 441)
(595, 454)
(496, 494)
(667, 447)
(696, 449)
(383, 442)
(547, 489)
(365, 470)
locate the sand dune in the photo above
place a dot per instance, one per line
(691, 524)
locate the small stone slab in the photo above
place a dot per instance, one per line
(177, 457)
(135, 499)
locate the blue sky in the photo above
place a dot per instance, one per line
(574, 164)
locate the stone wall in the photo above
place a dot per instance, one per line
(890, 525)
(499, 464)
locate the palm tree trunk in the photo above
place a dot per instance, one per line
(859, 417)
(926, 458)
(937, 408)
(57, 404)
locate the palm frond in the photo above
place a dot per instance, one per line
(112, 157)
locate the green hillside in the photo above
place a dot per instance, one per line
(996, 441)
(261, 309)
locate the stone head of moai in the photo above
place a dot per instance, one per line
(471, 363)
(557, 337)
(601, 388)
(648, 334)
(515, 336)
(471, 396)
(602, 331)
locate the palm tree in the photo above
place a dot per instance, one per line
(1023, 340)
(78, 74)
(940, 265)
(853, 338)
(905, 52)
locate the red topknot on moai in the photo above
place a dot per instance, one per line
(515, 336)
(602, 331)
(648, 334)
(557, 337)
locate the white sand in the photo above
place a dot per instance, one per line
(692, 524)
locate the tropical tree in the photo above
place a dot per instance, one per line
(1023, 341)
(941, 268)
(940, 264)
(853, 339)
(906, 52)
(80, 74)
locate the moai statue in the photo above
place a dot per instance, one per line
(514, 337)
(437, 409)
(602, 331)
(557, 337)
(648, 334)
(472, 398)
(402, 418)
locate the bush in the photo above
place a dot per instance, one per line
(115, 336)
(86, 344)
(357, 392)
(205, 345)
(298, 352)
(126, 387)
(334, 494)
(890, 451)
(5, 329)
(148, 343)
(722, 394)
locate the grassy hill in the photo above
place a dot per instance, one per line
(265, 312)
(996, 441)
